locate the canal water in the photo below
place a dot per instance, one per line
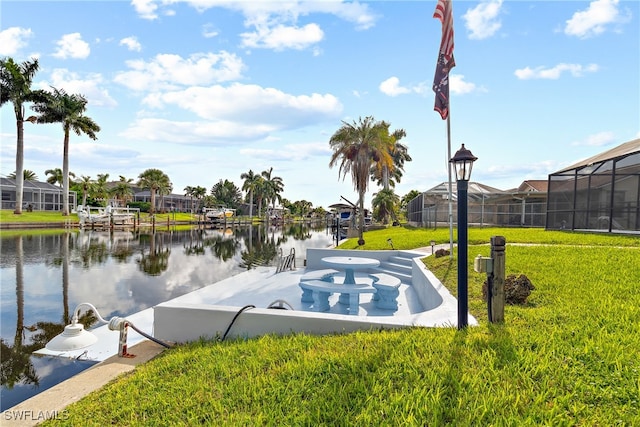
(43, 277)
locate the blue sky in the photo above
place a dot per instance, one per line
(208, 89)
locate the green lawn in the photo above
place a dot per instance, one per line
(7, 216)
(570, 357)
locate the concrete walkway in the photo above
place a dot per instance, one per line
(52, 402)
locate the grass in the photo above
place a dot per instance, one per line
(55, 216)
(569, 357)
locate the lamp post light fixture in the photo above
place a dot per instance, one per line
(75, 337)
(463, 163)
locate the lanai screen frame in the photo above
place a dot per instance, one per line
(602, 196)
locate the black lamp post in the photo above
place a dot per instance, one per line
(463, 162)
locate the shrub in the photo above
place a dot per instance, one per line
(442, 252)
(516, 289)
(143, 206)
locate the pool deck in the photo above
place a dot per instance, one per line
(221, 302)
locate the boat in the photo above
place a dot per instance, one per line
(103, 216)
(91, 215)
(219, 213)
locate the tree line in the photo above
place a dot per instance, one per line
(365, 149)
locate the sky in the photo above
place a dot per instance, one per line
(206, 90)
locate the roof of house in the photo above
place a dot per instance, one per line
(30, 185)
(532, 186)
(473, 188)
(621, 150)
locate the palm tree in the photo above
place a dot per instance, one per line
(251, 183)
(357, 146)
(27, 175)
(122, 190)
(273, 186)
(385, 176)
(87, 184)
(384, 205)
(60, 107)
(189, 191)
(226, 193)
(260, 192)
(15, 87)
(153, 180)
(100, 189)
(163, 190)
(199, 193)
(404, 201)
(56, 176)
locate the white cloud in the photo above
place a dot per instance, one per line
(72, 46)
(274, 25)
(167, 71)
(595, 19)
(251, 104)
(554, 73)
(238, 113)
(283, 37)
(458, 86)
(355, 12)
(145, 8)
(597, 140)
(131, 43)
(210, 132)
(13, 39)
(482, 21)
(209, 31)
(89, 86)
(392, 87)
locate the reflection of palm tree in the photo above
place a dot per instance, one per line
(299, 231)
(157, 260)
(46, 331)
(261, 254)
(221, 247)
(262, 251)
(93, 253)
(65, 277)
(194, 246)
(16, 362)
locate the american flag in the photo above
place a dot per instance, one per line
(445, 58)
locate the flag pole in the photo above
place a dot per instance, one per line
(445, 62)
(450, 184)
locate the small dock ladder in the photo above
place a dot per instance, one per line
(286, 262)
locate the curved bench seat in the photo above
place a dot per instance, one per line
(321, 290)
(387, 287)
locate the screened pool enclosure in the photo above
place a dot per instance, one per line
(601, 193)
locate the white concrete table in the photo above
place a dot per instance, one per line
(350, 264)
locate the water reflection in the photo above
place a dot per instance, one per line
(45, 276)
